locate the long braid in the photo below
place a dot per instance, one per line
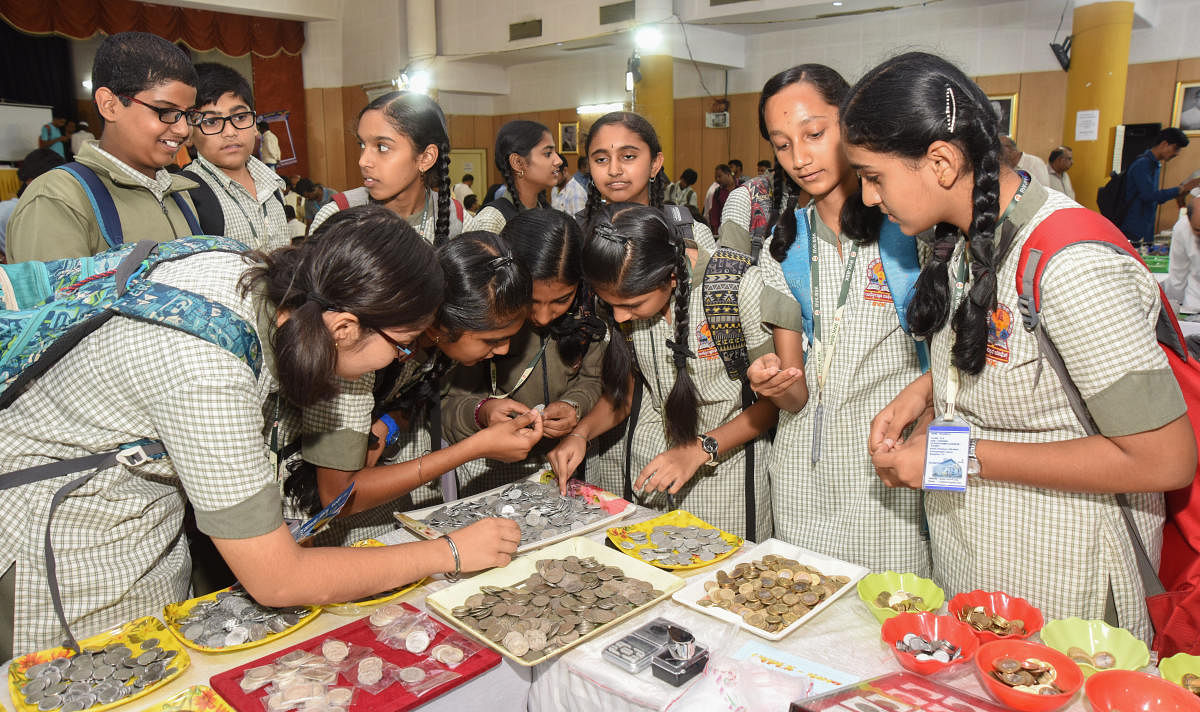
(682, 402)
(594, 201)
(971, 318)
(511, 181)
(441, 230)
(658, 189)
(783, 219)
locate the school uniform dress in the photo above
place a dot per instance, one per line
(839, 506)
(1063, 551)
(257, 220)
(118, 539)
(716, 493)
(424, 222)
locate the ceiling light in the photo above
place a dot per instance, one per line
(588, 109)
(87, 84)
(648, 38)
(838, 3)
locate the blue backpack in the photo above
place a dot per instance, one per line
(106, 211)
(80, 296)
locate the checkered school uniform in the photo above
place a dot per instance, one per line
(256, 220)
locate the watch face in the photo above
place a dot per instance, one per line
(709, 444)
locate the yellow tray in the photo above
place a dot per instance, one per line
(677, 518)
(173, 612)
(198, 698)
(130, 634)
(357, 608)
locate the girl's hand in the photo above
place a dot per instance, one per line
(913, 403)
(511, 439)
(499, 410)
(565, 458)
(769, 379)
(559, 419)
(903, 464)
(487, 543)
(671, 470)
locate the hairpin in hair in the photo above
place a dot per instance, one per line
(498, 262)
(951, 108)
(608, 232)
(321, 301)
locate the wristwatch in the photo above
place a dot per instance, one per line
(709, 444)
(972, 461)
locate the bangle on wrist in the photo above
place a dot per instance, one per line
(457, 561)
(420, 462)
(477, 408)
(577, 435)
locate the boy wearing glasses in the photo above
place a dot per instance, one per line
(144, 87)
(249, 195)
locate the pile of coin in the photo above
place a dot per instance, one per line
(370, 670)
(564, 600)
(901, 601)
(1191, 683)
(1101, 660)
(96, 676)
(1029, 675)
(540, 510)
(924, 649)
(447, 654)
(978, 618)
(233, 618)
(677, 546)
(771, 593)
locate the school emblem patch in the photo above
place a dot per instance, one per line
(999, 329)
(877, 291)
(704, 340)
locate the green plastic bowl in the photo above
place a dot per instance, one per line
(1178, 665)
(873, 584)
(1093, 636)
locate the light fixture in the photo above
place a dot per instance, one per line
(838, 3)
(87, 84)
(648, 38)
(633, 72)
(418, 82)
(589, 109)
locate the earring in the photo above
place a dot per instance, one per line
(520, 174)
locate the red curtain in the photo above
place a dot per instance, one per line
(279, 86)
(202, 30)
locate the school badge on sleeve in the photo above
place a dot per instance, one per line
(877, 291)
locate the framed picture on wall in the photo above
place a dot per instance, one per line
(1186, 114)
(1005, 106)
(568, 137)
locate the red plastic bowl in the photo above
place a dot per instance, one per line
(1001, 604)
(1137, 692)
(931, 627)
(1070, 677)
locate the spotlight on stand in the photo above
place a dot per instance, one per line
(633, 73)
(1062, 52)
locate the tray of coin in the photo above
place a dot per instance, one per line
(229, 619)
(544, 515)
(197, 698)
(802, 583)
(365, 605)
(112, 668)
(546, 602)
(676, 540)
(394, 698)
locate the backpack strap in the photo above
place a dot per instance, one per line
(103, 206)
(760, 212)
(680, 221)
(208, 205)
(342, 201)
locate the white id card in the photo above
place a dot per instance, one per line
(946, 448)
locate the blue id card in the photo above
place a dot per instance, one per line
(947, 444)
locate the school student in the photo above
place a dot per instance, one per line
(924, 140)
(841, 297)
(553, 361)
(527, 161)
(405, 162)
(328, 309)
(56, 135)
(249, 196)
(144, 87)
(486, 297)
(691, 435)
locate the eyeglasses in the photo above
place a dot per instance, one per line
(167, 116)
(405, 352)
(216, 124)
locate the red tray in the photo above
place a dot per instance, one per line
(394, 699)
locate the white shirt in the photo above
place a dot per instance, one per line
(1035, 167)
(270, 148)
(572, 199)
(708, 197)
(1062, 184)
(460, 191)
(1183, 276)
(79, 138)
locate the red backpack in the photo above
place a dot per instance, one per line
(1173, 595)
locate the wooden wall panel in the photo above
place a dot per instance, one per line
(335, 146)
(689, 119)
(1039, 124)
(315, 133)
(353, 100)
(1149, 92)
(743, 131)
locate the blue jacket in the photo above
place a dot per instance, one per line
(1144, 197)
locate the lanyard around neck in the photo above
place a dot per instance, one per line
(225, 187)
(823, 352)
(522, 378)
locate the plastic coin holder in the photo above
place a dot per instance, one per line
(323, 672)
(257, 678)
(421, 677)
(454, 650)
(335, 651)
(341, 697)
(292, 694)
(385, 616)
(296, 659)
(412, 632)
(372, 677)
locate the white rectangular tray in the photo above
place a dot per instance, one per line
(536, 477)
(446, 600)
(691, 594)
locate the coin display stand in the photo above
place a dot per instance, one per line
(696, 595)
(364, 606)
(112, 668)
(676, 540)
(197, 698)
(574, 601)
(229, 619)
(362, 644)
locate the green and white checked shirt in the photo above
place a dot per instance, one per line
(258, 220)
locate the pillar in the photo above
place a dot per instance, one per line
(656, 101)
(1096, 80)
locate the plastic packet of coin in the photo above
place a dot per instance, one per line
(421, 677)
(334, 653)
(256, 678)
(372, 675)
(384, 616)
(291, 695)
(454, 650)
(412, 632)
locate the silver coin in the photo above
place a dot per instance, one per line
(50, 702)
(35, 686)
(411, 674)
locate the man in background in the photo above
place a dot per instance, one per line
(739, 174)
(1182, 285)
(81, 136)
(764, 167)
(460, 191)
(54, 136)
(681, 192)
(1027, 162)
(270, 146)
(725, 181)
(569, 195)
(1061, 160)
(1141, 186)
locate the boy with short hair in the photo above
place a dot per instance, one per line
(248, 193)
(144, 87)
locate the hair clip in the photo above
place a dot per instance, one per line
(498, 262)
(608, 232)
(951, 108)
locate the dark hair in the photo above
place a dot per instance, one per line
(470, 201)
(900, 108)
(645, 131)
(467, 176)
(421, 119)
(1173, 136)
(37, 162)
(289, 212)
(1056, 154)
(581, 163)
(735, 162)
(724, 168)
(631, 250)
(548, 242)
(516, 138)
(689, 176)
(765, 164)
(350, 267)
(130, 62)
(262, 126)
(856, 219)
(214, 81)
(304, 185)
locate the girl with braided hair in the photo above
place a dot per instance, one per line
(837, 299)
(404, 156)
(924, 139)
(690, 436)
(530, 166)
